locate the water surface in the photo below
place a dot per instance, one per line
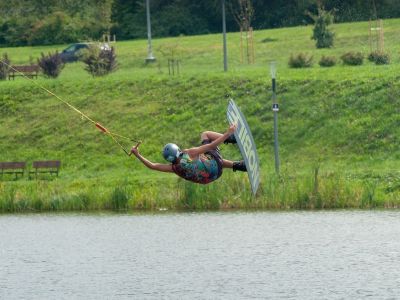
(285, 255)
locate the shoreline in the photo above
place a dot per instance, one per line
(277, 193)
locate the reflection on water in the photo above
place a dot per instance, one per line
(287, 255)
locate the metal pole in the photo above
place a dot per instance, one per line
(275, 109)
(224, 36)
(150, 57)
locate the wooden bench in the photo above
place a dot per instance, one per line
(17, 168)
(30, 71)
(46, 166)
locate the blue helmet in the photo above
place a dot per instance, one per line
(171, 152)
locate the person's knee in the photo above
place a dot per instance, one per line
(204, 135)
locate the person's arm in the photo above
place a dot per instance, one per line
(195, 151)
(149, 164)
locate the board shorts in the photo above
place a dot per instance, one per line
(215, 154)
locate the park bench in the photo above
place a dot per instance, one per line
(17, 168)
(30, 71)
(46, 166)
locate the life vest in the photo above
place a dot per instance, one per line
(203, 170)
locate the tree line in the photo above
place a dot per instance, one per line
(43, 22)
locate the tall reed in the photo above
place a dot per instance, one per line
(313, 189)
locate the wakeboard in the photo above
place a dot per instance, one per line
(246, 144)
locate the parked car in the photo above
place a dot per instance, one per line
(71, 53)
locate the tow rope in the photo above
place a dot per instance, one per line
(103, 129)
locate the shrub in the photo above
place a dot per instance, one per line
(353, 58)
(98, 61)
(51, 64)
(379, 58)
(321, 32)
(301, 60)
(4, 67)
(327, 61)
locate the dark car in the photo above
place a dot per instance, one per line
(71, 53)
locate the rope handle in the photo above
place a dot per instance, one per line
(137, 145)
(101, 127)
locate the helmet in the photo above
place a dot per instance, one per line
(171, 152)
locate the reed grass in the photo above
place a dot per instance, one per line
(119, 198)
(314, 190)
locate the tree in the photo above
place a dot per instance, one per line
(129, 19)
(103, 13)
(243, 12)
(322, 34)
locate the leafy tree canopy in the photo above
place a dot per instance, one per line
(29, 22)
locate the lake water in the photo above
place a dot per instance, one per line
(233, 255)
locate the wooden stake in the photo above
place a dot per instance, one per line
(241, 45)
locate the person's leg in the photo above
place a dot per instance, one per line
(227, 163)
(210, 135)
(235, 165)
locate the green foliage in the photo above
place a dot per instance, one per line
(99, 62)
(56, 25)
(56, 28)
(119, 198)
(353, 58)
(51, 64)
(4, 66)
(327, 61)
(301, 60)
(26, 22)
(178, 19)
(15, 31)
(379, 58)
(322, 34)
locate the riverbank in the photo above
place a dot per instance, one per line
(328, 190)
(338, 144)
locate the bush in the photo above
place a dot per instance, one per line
(379, 58)
(98, 61)
(353, 58)
(327, 61)
(51, 64)
(321, 32)
(301, 60)
(4, 67)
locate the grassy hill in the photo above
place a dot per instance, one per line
(339, 126)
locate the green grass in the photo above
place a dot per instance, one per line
(342, 121)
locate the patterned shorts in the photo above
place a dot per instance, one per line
(215, 153)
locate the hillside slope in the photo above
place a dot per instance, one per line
(339, 126)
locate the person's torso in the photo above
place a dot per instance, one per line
(204, 169)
